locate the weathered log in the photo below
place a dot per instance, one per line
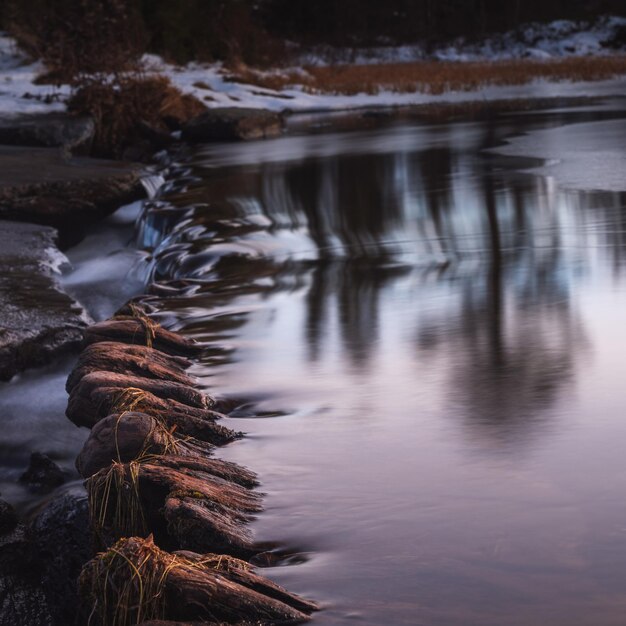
(122, 358)
(88, 410)
(163, 389)
(135, 582)
(186, 508)
(139, 331)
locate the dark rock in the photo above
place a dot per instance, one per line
(42, 185)
(232, 123)
(8, 518)
(51, 130)
(22, 600)
(43, 474)
(62, 536)
(39, 320)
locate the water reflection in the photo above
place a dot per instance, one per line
(407, 297)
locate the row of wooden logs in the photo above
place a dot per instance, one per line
(169, 518)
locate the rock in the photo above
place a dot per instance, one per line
(127, 436)
(232, 123)
(22, 599)
(142, 331)
(110, 356)
(164, 389)
(88, 405)
(62, 536)
(183, 586)
(43, 474)
(8, 518)
(39, 320)
(42, 185)
(51, 130)
(187, 503)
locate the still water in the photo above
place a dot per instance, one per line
(425, 342)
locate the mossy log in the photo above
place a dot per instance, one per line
(88, 405)
(135, 582)
(124, 437)
(187, 504)
(134, 360)
(141, 331)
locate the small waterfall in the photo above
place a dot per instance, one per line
(152, 183)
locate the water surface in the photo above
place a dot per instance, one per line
(425, 343)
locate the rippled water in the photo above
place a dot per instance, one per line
(435, 340)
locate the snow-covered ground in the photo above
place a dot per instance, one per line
(18, 93)
(558, 39)
(210, 82)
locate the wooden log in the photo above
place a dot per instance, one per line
(87, 409)
(186, 507)
(124, 437)
(109, 356)
(136, 331)
(136, 582)
(164, 389)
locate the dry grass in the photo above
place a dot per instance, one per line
(127, 105)
(126, 584)
(431, 77)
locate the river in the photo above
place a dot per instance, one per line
(421, 329)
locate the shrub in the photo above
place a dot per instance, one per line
(77, 37)
(130, 108)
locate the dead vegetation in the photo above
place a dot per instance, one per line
(135, 581)
(431, 77)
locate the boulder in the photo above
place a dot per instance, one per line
(43, 474)
(183, 586)
(50, 130)
(22, 599)
(62, 537)
(39, 320)
(188, 503)
(233, 124)
(124, 437)
(109, 356)
(142, 331)
(44, 186)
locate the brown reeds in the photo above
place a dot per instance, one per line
(432, 77)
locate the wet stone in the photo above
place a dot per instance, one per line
(73, 133)
(232, 124)
(46, 186)
(39, 321)
(43, 474)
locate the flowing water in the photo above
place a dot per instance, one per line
(424, 342)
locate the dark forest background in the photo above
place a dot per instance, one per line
(255, 31)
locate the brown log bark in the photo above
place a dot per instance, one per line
(109, 356)
(193, 508)
(163, 389)
(132, 330)
(124, 437)
(137, 582)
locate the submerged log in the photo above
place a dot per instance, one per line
(122, 358)
(166, 390)
(193, 506)
(136, 582)
(88, 407)
(141, 331)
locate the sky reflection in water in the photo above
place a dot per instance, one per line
(443, 336)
